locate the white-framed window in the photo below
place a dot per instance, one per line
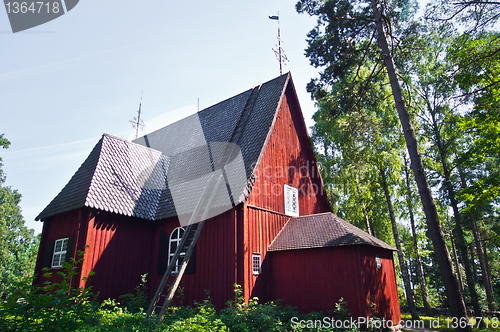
(256, 264)
(59, 255)
(291, 201)
(379, 261)
(175, 239)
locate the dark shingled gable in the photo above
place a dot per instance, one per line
(322, 230)
(128, 178)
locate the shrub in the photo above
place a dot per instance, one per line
(51, 307)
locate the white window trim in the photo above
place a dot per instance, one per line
(170, 253)
(287, 190)
(61, 254)
(255, 257)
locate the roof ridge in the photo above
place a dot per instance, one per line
(313, 215)
(273, 122)
(281, 230)
(129, 142)
(328, 230)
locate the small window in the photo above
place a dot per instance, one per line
(256, 264)
(59, 255)
(175, 239)
(291, 201)
(379, 262)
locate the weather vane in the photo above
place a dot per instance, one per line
(137, 121)
(280, 53)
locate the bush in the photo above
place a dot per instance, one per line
(59, 307)
(52, 307)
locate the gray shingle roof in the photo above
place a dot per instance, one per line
(129, 178)
(322, 230)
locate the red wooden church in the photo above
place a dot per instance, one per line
(278, 239)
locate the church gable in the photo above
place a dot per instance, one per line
(288, 166)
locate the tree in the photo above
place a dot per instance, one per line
(437, 92)
(402, 260)
(473, 15)
(18, 245)
(342, 42)
(478, 75)
(418, 260)
(477, 72)
(362, 144)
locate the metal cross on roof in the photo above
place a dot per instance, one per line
(137, 121)
(278, 50)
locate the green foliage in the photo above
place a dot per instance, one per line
(51, 307)
(61, 307)
(478, 75)
(137, 302)
(242, 317)
(18, 244)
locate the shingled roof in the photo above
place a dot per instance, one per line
(322, 230)
(129, 178)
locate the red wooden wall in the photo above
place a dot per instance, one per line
(119, 249)
(261, 228)
(288, 159)
(215, 267)
(64, 225)
(119, 253)
(379, 285)
(315, 279)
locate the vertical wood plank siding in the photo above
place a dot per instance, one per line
(287, 159)
(215, 264)
(296, 275)
(315, 279)
(379, 285)
(64, 225)
(119, 253)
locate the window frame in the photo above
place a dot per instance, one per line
(172, 253)
(287, 191)
(258, 257)
(61, 253)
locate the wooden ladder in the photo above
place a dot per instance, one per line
(197, 220)
(187, 245)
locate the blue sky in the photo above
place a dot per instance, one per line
(65, 83)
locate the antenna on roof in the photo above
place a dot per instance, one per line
(137, 121)
(280, 53)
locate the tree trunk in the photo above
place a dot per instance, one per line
(437, 284)
(479, 251)
(484, 267)
(418, 260)
(402, 261)
(473, 264)
(455, 260)
(456, 302)
(363, 208)
(462, 243)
